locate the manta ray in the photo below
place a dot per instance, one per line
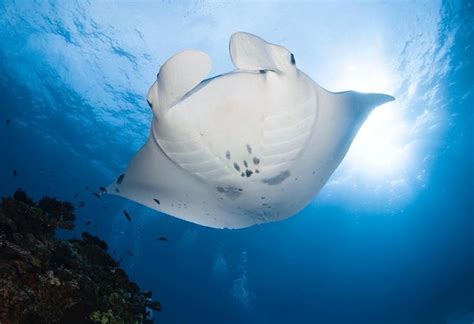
(247, 147)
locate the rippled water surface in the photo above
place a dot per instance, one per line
(388, 240)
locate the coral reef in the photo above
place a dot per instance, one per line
(46, 280)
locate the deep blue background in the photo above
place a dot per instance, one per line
(379, 245)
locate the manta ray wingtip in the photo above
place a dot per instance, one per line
(383, 99)
(373, 100)
(390, 98)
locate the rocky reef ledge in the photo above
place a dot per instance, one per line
(46, 280)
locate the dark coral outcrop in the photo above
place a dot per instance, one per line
(46, 280)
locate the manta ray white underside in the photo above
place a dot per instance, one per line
(251, 146)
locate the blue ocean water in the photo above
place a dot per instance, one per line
(390, 239)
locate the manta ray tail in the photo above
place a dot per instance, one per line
(177, 76)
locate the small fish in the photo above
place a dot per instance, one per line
(114, 252)
(104, 207)
(130, 253)
(15, 173)
(87, 187)
(81, 204)
(51, 175)
(127, 215)
(76, 194)
(120, 178)
(156, 200)
(162, 238)
(102, 189)
(96, 194)
(88, 222)
(7, 121)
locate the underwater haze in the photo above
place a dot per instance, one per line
(389, 239)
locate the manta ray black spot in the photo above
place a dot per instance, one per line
(263, 197)
(230, 192)
(256, 160)
(96, 194)
(262, 71)
(236, 166)
(242, 174)
(257, 171)
(127, 215)
(248, 173)
(246, 164)
(240, 189)
(117, 190)
(102, 189)
(227, 155)
(293, 61)
(120, 178)
(249, 148)
(277, 179)
(81, 204)
(156, 200)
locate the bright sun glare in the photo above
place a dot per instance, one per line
(379, 149)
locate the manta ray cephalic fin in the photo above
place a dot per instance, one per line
(250, 52)
(177, 76)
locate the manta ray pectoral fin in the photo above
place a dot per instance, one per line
(371, 100)
(250, 52)
(177, 76)
(361, 103)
